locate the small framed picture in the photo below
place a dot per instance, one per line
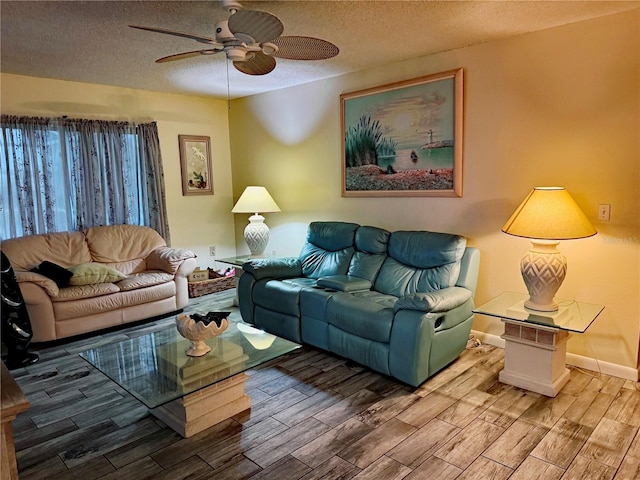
(195, 163)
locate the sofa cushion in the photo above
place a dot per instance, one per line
(144, 279)
(317, 262)
(399, 280)
(366, 265)
(362, 316)
(83, 307)
(118, 243)
(140, 296)
(64, 248)
(420, 262)
(371, 249)
(128, 267)
(426, 249)
(372, 240)
(328, 249)
(91, 273)
(332, 236)
(85, 291)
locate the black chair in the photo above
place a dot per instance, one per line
(16, 326)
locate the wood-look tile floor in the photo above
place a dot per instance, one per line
(315, 416)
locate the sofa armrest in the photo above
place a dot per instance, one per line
(168, 259)
(288, 267)
(434, 302)
(43, 282)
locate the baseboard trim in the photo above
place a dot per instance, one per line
(580, 361)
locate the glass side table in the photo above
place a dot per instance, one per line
(535, 348)
(237, 262)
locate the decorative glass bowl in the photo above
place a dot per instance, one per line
(198, 328)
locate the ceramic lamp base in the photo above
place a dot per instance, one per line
(543, 270)
(256, 234)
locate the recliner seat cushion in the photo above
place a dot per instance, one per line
(361, 316)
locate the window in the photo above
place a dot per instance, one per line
(64, 175)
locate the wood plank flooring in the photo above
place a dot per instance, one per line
(315, 416)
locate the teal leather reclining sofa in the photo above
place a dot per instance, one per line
(399, 302)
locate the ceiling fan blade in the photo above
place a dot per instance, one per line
(260, 64)
(304, 48)
(182, 56)
(261, 26)
(192, 36)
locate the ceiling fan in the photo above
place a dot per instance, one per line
(252, 40)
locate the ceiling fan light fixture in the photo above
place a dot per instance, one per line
(269, 48)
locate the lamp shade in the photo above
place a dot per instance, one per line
(549, 213)
(255, 200)
(546, 216)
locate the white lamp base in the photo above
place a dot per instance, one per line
(256, 234)
(543, 270)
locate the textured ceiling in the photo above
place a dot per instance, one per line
(90, 41)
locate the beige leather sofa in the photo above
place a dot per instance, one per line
(154, 278)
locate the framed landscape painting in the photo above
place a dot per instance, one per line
(195, 164)
(404, 139)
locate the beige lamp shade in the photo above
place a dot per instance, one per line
(254, 200)
(546, 216)
(549, 213)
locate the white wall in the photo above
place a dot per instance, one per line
(195, 221)
(556, 107)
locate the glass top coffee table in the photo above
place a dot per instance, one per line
(189, 394)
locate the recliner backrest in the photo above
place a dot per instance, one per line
(420, 262)
(328, 249)
(371, 251)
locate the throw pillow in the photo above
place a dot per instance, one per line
(92, 273)
(55, 272)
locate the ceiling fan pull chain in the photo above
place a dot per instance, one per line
(228, 88)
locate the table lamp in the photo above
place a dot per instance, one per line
(255, 200)
(546, 216)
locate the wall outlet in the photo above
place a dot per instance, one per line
(604, 212)
(212, 251)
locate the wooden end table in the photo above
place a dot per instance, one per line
(13, 403)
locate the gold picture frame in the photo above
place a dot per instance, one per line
(404, 138)
(195, 165)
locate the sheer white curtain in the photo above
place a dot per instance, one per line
(59, 174)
